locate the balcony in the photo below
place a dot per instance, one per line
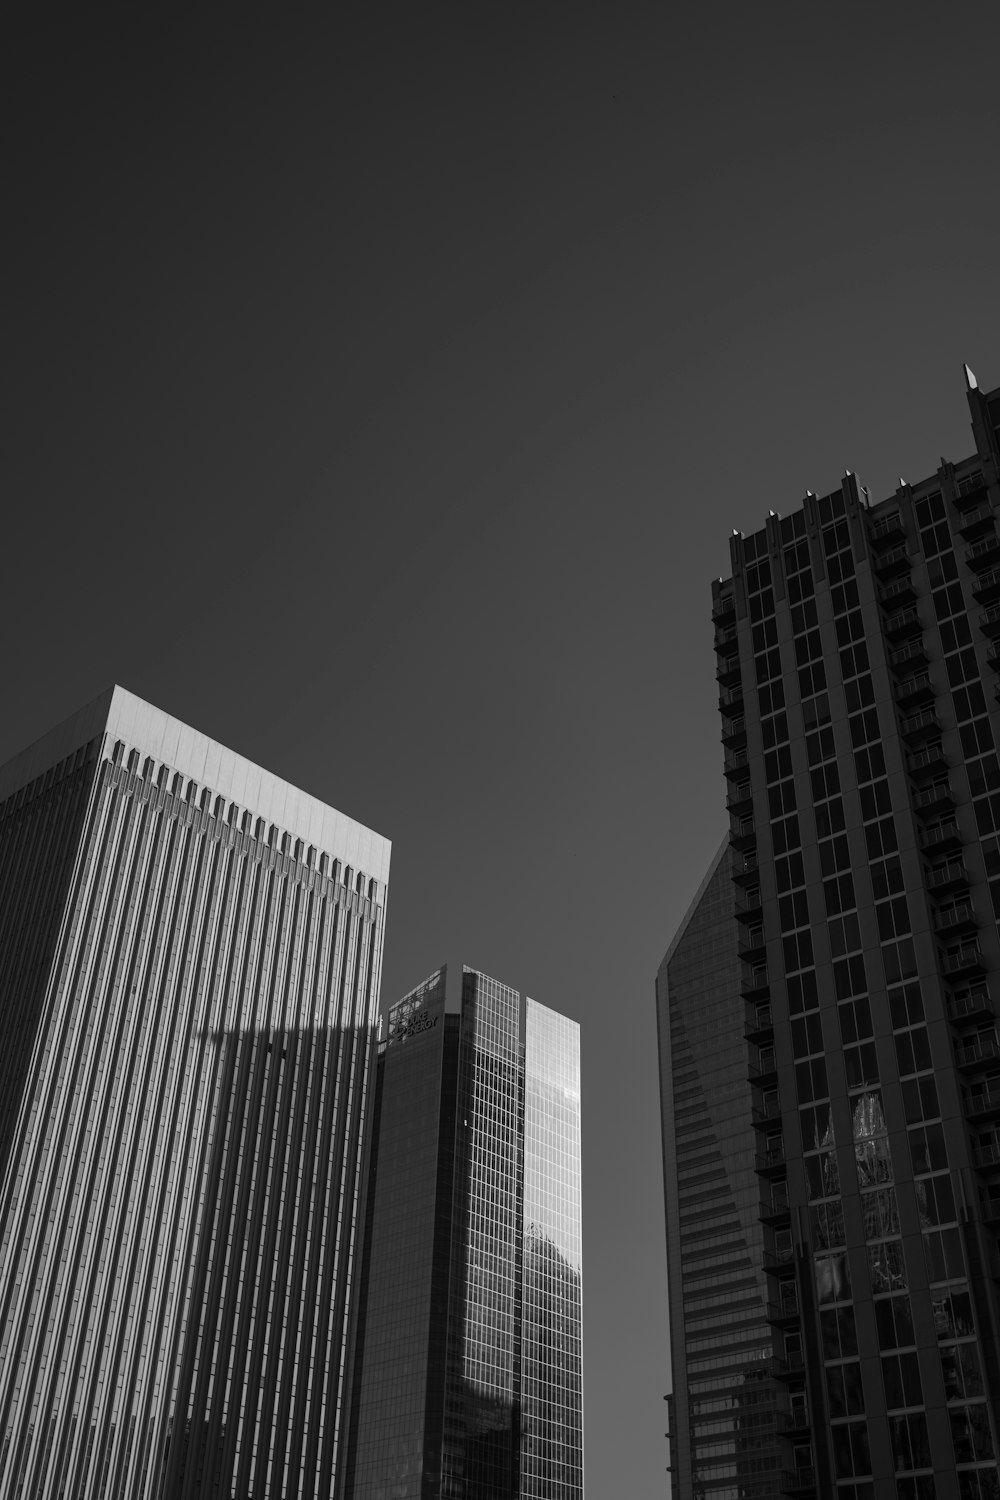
(752, 948)
(754, 986)
(984, 1104)
(770, 1162)
(970, 489)
(965, 960)
(724, 607)
(791, 1369)
(766, 1114)
(749, 910)
(941, 838)
(763, 1073)
(778, 1260)
(800, 1481)
(737, 764)
(728, 670)
(987, 585)
(979, 518)
(993, 656)
(925, 762)
(783, 1308)
(903, 622)
(746, 869)
(731, 700)
(776, 1210)
(987, 1157)
(744, 835)
(989, 621)
(759, 1024)
(932, 799)
(973, 1004)
(983, 552)
(977, 1053)
(912, 652)
(727, 638)
(914, 690)
(948, 877)
(989, 1207)
(951, 920)
(734, 731)
(886, 528)
(921, 726)
(898, 592)
(740, 799)
(895, 560)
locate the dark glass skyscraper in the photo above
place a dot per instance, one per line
(858, 660)
(726, 1410)
(469, 1384)
(190, 952)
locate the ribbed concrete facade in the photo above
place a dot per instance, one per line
(189, 967)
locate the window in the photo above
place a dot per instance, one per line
(864, 728)
(820, 745)
(893, 918)
(793, 911)
(910, 1447)
(778, 763)
(839, 894)
(875, 800)
(869, 763)
(850, 1449)
(788, 872)
(963, 1377)
(798, 951)
(855, 1020)
(894, 1322)
(834, 854)
(843, 1383)
(927, 1149)
(901, 1378)
(807, 1035)
(886, 877)
(812, 679)
(913, 1051)
(825, 781)
(840, 1339)
(849, 977)
(816, 712)
(881, 838)
(845, 934)
(920, 1100)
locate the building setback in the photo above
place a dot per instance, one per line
(469, 1383)
(858, 668)
(190, 953)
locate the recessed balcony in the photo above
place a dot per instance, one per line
(986, 1155)
(731, 700)
(982, 1104)
(893, 561)
(762, 1072)
(978, 1052)
(724, 607)
(728, 671)
(758, 1025)
(948, 877)
(989, 621)
(972, 1004)
(900, 591)
(965, 960)
(970, 489)
(886, 529)
(771, 1162)
(752, 947)
(903, 622)
(977, 519)
(925, 762)
(746, 869)
(734, 731)
(912, 654)
(783, 1308)
(740, 800)
(800, 1481)
(737, 765)
(922, 726)
(941, 837)
(983, 553)
(951, 920)
(933, 799)
(775, 1209)
(914, 690)
(726, 639)
(743, 835)
(766, 1114)
(755, 986)
(987, 585)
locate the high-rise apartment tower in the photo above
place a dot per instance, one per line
(858, 660)
(190, 953)
(470, 1381)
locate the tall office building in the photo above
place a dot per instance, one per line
(469, 1383)
(857, 658)
(728, 1424)
(189, 962)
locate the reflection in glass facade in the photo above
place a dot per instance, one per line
(468, 1376)
(724, 1404)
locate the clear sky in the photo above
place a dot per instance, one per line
(382, 384)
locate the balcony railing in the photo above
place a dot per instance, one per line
(904, 620)
(940, 836)
(978, 1052)
(987, 546)
(970, 1004)
(951, 874)
(949, 918)
(922, 723)
(987, 583)
(723, 606)
(912, 651)
(887, 526)
(962, 960)
(919, 761)
(891, 561)
(930, 797)
(896, 592)
(983, 1103)
(989, 620)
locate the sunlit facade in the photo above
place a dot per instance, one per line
(190, 953)
(857, 662)
(469, 1376)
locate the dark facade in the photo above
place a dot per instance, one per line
(726, 1412)
(858, 671)
(189, 959)
(469, 1378)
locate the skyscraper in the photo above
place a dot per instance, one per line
(857, 651)
(469, 1382)
(725, 1411)
(190, 953)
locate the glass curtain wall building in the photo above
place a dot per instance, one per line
(469, 1376)
(726, 1408)
(190, 953)
(858, 667)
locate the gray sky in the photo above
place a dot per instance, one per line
(382, 385)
